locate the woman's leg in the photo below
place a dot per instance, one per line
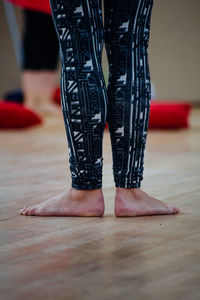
(84, 103)
(127, 28)
(40, 42)
(39, 64)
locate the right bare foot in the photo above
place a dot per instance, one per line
(80, 203)
(132, 202)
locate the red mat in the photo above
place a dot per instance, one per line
(13, 115)
(169, 115)
(38, 5)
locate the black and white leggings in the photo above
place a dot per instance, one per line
(86, 102)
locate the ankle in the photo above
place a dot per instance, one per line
(120, 190)
(81, 194)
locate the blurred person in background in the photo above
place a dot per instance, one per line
(39, 57)
(39, 65)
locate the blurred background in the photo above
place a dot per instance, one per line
(173, 50)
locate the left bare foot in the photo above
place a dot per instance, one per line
(72, 202)
(131, 202)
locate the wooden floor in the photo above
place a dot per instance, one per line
(155, 257)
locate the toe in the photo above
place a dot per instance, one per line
(167, 210)
(25, 211)
(21, 210)
(172, 209)
(176, 209)
(31, 211)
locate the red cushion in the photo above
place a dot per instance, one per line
(56, 96)
(38, 5)
(169, 115)
(14, 115)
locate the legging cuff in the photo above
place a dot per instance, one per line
(86, 175)
(130, 179)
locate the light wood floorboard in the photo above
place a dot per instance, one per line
(155, 257)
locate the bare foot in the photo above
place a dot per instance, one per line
(49, 109)
(80, 203)
(134, 202)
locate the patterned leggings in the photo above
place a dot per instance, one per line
(86, 102)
